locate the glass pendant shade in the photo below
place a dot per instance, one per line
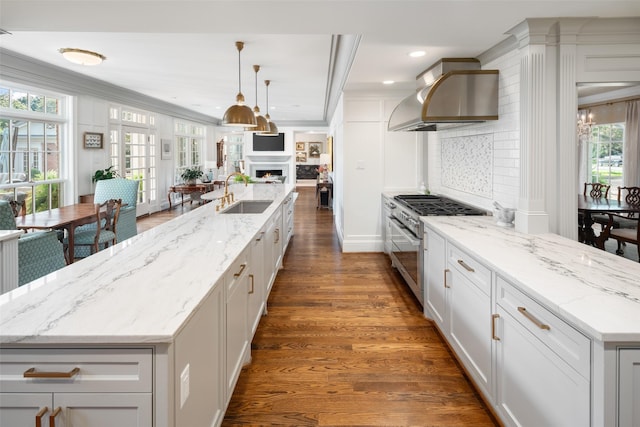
(239, 114)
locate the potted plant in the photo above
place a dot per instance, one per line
(190, 175)
(101, 174)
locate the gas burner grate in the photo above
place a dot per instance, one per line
(429, 205)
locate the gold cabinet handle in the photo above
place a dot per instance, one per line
(493, 327)
(242, 267)
(260, 238)
(277, 231)
(446, 270)
(533, 320)
(52, 417)
(251, 277)
(466, 266)
(39, 416)
(31, 373)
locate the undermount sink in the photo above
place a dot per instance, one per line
(248, 207)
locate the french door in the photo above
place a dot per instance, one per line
(135, 149)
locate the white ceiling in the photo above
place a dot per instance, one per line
(183, 52)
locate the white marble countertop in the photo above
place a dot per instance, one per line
(141, 290)
(598, 292)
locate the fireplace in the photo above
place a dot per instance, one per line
(262, 172)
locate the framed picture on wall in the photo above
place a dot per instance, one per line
(299, 146)
(92, 140)
(314, 149)
(166, 149)
(301, 157)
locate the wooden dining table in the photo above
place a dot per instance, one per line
(64, 218)
(588, 206)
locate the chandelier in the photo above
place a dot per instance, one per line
(585, 122)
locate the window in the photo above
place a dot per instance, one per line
(31, 133)
(605, 146)
(190, 139)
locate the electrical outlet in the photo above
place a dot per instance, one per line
(184, 385)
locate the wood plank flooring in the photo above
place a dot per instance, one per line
(344, 343)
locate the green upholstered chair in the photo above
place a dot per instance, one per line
(116, 188)
(97, 237)
(39, 253)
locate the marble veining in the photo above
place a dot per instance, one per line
(596, 291)
(141, 290)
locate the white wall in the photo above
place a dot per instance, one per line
(373, 160)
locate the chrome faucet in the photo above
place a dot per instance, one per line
(228, 197)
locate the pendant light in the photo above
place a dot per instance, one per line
(273, 129)
(262, 125)
(239, 114)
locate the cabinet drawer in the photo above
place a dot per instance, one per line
(567, 342)
(99, 370)
(470, 268)
(238, 269)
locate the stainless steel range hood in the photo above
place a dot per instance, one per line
(452, 92)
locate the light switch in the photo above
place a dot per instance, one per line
(184, 385)
(360, 164)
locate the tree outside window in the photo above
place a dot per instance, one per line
(606, 165)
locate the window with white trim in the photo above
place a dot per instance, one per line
(190, 139)
(32, 125)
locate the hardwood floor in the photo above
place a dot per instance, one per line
(344, 343)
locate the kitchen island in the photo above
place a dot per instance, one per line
(547, 328)
(152, 331)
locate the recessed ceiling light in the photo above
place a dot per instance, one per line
(81, 56)
(417, 53)
(388, 82)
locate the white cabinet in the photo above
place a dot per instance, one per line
(469, 312)
(237, 318)
(257, 282)
(629, 386)
(97, 387)
(287, 219)
(387, 209)
(542, 364)
(435, 278)
(273, 248)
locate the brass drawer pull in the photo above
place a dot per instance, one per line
(446, 270)
(242, 267)
(535, 321)
(466, 266)
(251, 277)
(39, 416)
(52, 417)
(31, 373)
(493, 327)
(260, 238)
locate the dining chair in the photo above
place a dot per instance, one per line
(18, 208)
(594, 190)
(106, 215)
(116, 188)
(625, 228)
(39, 252)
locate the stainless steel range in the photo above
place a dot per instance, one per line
(406, 233)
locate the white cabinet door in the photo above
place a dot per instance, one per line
(470, 328)
(103, 409)
(435, 278)
(237, 315)
(535, 387)
(257, 282)
(629, 386)
(278, 240)
(21, 409)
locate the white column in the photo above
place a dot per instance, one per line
(532, 215)
(9, 259)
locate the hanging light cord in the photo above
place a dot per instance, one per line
(239, 45)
